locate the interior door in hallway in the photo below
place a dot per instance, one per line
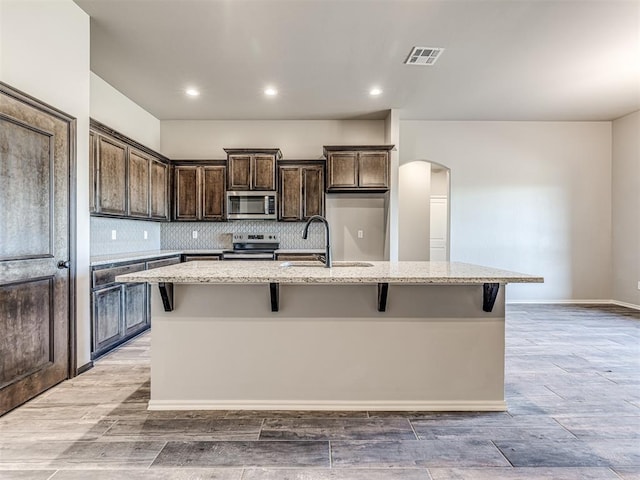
(36, 158)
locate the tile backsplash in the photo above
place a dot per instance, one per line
(179, 235)
(129, 236)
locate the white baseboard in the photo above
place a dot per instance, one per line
(400, 406)
(573, 302)
(623, 304)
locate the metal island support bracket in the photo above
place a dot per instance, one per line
(490, 293)
(166, 293)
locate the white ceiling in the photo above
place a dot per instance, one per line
(503, 59)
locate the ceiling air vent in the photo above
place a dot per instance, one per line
(424, 55)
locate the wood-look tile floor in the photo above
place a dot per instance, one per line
(572, 388)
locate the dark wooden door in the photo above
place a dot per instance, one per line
(159, 188)
(107, 317)
(213, 179)
(342, 170)
(239, 172)
(111, 180)
(373, 170)
(312, 191)
(186, 193)
(138, 185)
(263, 172)
(135, 307)
(290, 192)
(37, 157)
(93, 144)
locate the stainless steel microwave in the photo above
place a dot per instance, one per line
(251, 205)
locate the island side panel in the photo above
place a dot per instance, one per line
(327, 348)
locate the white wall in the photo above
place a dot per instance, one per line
(112, 108)
(303, 139)
(44, 51)
(414, 200)
(533, 197)
(347, 215)
(626, 209)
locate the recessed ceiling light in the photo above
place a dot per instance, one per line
(270, 92)
(192, 92)
(374, 92)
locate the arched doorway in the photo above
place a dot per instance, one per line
(423, 211)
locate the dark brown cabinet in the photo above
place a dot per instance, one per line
(301, 191)
(357, 168)
(252, 169)
(93, 145)
(139, 180)
(126, 179)
(120, 310)
(111, 176)
(199, 192)
(159, 197)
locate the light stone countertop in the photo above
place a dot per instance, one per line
(100, 260)
(443, 273)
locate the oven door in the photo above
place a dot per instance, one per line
(251, 205)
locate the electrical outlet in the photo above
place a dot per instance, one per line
(194, 234)
(145, 234)
(360, 233)
(113, 234)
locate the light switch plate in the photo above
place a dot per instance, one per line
(145, 234)
(360, 233)
(113, 234)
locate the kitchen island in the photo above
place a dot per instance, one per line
(358, 336)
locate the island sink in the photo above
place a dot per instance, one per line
(333, 264)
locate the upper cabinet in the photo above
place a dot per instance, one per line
(199, 191)
(252, 169)
(111, 176)
(300, 190)
(358, 168)
(126, 179)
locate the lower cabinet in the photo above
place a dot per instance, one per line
(107, 318)
(120, 310)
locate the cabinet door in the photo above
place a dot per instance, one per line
(159, 188)
(112, 176)
(263, 172)
(342, 170)
(239, 172)
(186, 193)
(107, 317)
(138, 185)
(312, 191)
(93, 145)
(290, 194)
(373, 170)
(213, 192)
(135, 307)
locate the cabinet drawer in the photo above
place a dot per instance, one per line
(195, 257)
(105, 276)
(162, 262)
(297, 257)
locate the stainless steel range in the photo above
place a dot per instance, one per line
(253, 246)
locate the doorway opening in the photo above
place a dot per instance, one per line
(424, 211)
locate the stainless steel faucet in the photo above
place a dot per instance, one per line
(327, 251)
